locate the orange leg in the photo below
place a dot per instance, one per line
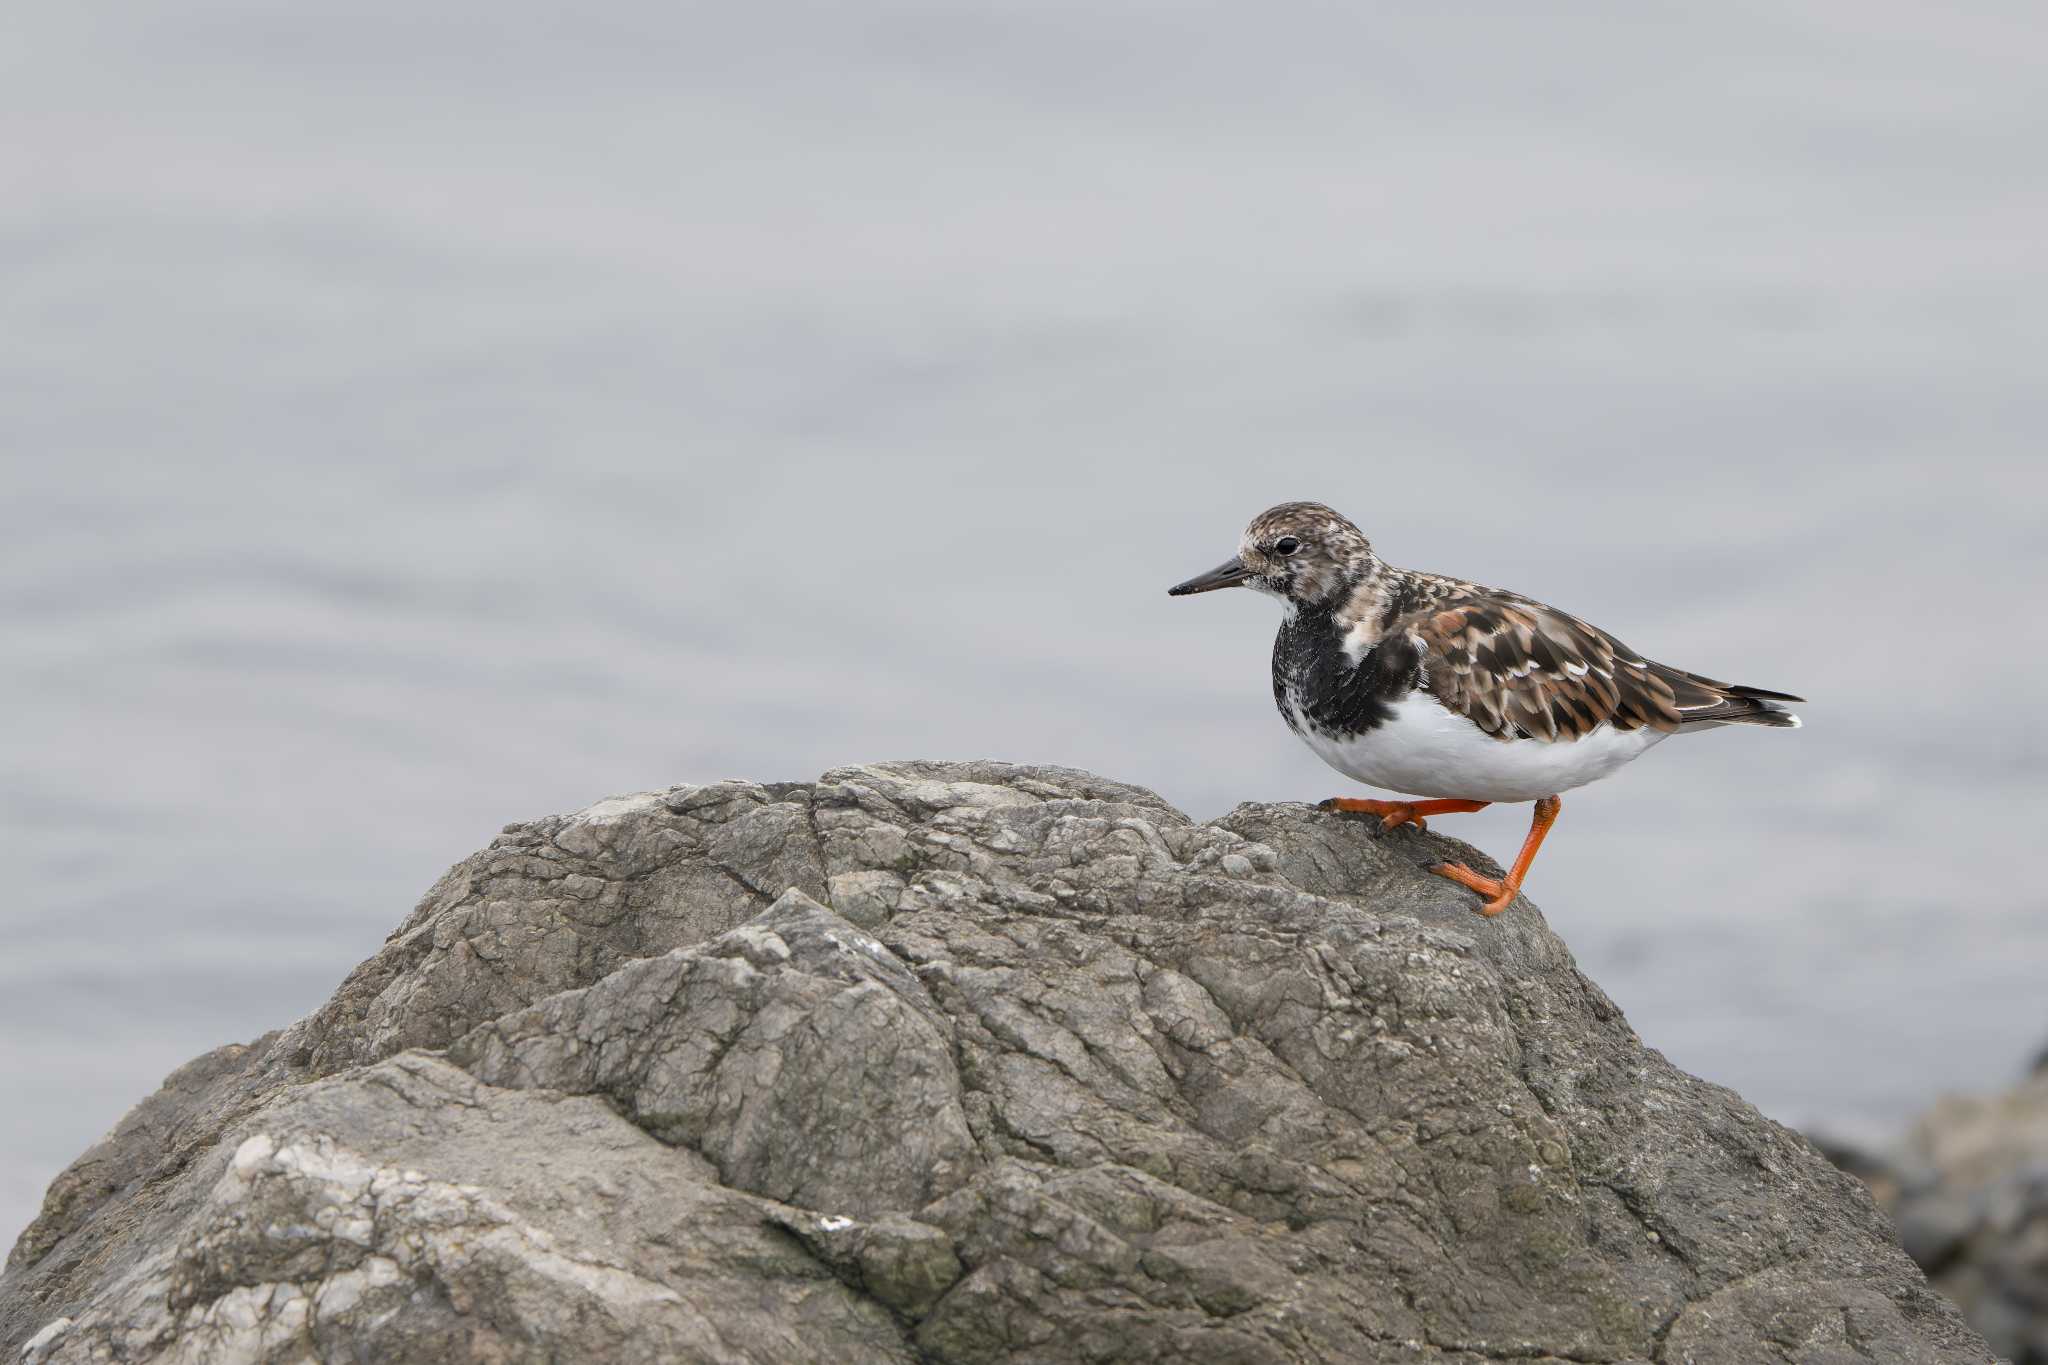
(1500, 894)
(1394, 814)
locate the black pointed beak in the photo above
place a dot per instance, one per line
(1228, 574)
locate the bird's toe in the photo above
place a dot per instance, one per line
(1496, 894)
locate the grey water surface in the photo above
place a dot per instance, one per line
(413, 420)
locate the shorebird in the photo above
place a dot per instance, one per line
(1466, 695)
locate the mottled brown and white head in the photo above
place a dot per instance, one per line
(1301, 552)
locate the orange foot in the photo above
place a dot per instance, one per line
(1394, 814)
(1500, 892)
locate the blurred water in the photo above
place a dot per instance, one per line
(413, 422)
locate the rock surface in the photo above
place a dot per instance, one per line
(959, 1062)
(1969, 1190)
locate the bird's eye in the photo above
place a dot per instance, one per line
(1286, 545)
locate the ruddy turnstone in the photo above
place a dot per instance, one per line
(1444, 689)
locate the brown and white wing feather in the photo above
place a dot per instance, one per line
(1521, 670)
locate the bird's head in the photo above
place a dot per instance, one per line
(1301, 552)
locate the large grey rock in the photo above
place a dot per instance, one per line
(960, 1062)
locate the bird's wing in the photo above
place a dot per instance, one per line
(1521, 670)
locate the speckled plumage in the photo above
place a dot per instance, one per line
(1364, 645)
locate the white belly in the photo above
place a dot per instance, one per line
(1424, 750)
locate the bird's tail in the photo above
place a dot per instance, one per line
(1704, 702)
